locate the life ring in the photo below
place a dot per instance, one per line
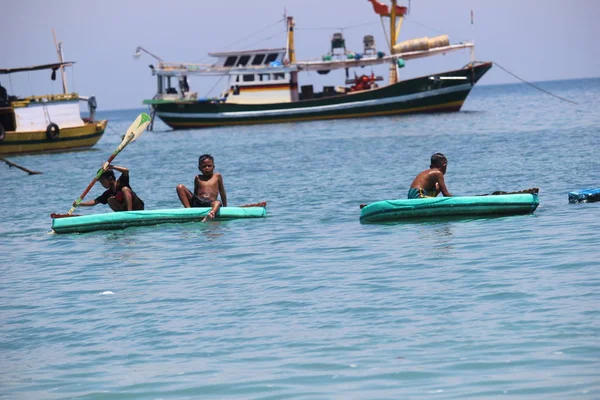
(2, 132)
(52, 131)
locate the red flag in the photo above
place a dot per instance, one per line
(384, 11)
(379, 8)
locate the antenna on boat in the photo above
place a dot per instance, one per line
(472, 40)
(60, 58)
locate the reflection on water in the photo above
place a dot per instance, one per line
(438, 235)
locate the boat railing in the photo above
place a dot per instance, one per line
(45, 99)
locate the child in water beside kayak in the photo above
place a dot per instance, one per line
(118, 195)
(430, 183)
(207, 187)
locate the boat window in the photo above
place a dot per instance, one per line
(264, 77)
(243, 61)
(230, 62)
(258, 59)
(278, 76)
(271, 57)
(248, 78)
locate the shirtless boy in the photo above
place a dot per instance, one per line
(207, 187)
(118, 194)
(430, 182)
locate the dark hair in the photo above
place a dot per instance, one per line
(108, 174)
(438, 159)
(205, 157)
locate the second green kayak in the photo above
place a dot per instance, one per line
(457, 206)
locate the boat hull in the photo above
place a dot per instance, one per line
(126, 219)
(443, 207)
(69, 139)
(444, 92)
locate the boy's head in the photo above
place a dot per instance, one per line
(106, 178)
(438, 160)
(206, 164)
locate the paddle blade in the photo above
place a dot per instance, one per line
(55, 215)
(261, 204)
(135, 130)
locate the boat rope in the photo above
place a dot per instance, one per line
(456, 37)
(337, 27)
(73, 90)
(532, 85)
(255, 33)
(111, 128)
(12, 164)
(214, 86)
(31, 85)
(12, 90)
(239, 42)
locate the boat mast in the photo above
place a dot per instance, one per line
(394, 32)
(60, 58)
(292, 58)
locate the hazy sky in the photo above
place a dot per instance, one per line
(535, 39)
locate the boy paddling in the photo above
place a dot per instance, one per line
(430, 183)
(207, 187)
(118, 195)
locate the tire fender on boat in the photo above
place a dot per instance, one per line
(52, 131)
(2, 132)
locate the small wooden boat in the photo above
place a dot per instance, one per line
(457, 206)
(126, 219)
(46, 123)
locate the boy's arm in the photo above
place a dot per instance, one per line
(196, 185)
(122, 170)
(222, 191)
(88, 203)
(442, 185)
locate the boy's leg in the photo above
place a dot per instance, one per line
(116, 205)
(215, 205)
(127, 199)
(185, 196)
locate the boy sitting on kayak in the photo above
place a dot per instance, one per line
(206, 188)
(118, 195)
(430, 183)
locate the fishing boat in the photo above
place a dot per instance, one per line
(263, 86)
(46, 123)
(126, 219)
(430, 208)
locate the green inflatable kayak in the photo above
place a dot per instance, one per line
(440, 207)
(125, 219)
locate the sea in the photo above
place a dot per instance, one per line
(308, 303)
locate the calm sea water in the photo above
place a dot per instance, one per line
(309, 303)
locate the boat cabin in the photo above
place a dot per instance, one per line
(256, 76)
